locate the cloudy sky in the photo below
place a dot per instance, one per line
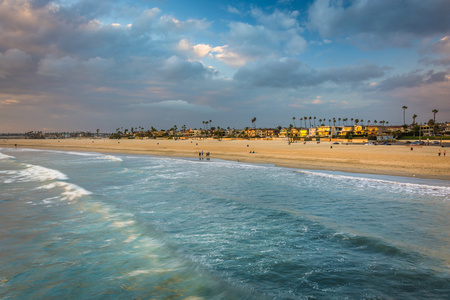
(69, 65)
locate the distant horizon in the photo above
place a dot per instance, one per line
(215, 127)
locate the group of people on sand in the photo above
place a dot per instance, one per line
(200, 155)
(439, 152)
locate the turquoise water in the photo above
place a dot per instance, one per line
(96, 226)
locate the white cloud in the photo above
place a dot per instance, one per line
(232, 59)
(273, 34)
(233, 10)
(318, 100)
(197, 51)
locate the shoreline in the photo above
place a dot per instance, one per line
(393, 160)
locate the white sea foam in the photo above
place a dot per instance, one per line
(70, 191)
(33, 173)
(131, 238)
(387, 185)
(39, 173)
(120, 224)
(4, 156)
(112, 157)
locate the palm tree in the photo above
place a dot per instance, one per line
(301, 119)
(314, 121)
(305, 118)
(351, 120)
(435, 111)
(293, 118)
(404, 109)
(414, 119)
(253, 122)
(310, 121)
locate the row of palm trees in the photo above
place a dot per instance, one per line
(404, 107)
(431, 122)
(340, 121)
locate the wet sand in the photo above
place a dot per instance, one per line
(422, 162)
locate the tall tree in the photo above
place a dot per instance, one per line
(253, 122)
(404, 109)
(314, 121)
(293, 118)
(435, 111)
(414, 119)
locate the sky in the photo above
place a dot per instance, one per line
(83, 65)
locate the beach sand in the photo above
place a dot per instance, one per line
(398, 160)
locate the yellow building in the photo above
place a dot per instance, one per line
(303, 133)
(283, 133)
(346, 130)
(324, 131)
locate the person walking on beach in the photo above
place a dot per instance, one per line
(444, 152)
(439, 153)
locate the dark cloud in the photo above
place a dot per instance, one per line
(412, 79)
(177, 69)
(439, 52)
(291, 73)
(380, 22)
(40, 3)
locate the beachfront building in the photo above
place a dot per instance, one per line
(293, 132)
(345, 131)
(328, 131)
(324, 131)
(359, 130)
(426, 130)
(264, 133)
(251, 132)
(283, 133)
(303, 133)
(393, 128)
(445, 129)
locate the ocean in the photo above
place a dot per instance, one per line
(82, 225)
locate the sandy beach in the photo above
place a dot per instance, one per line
(422, 161)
